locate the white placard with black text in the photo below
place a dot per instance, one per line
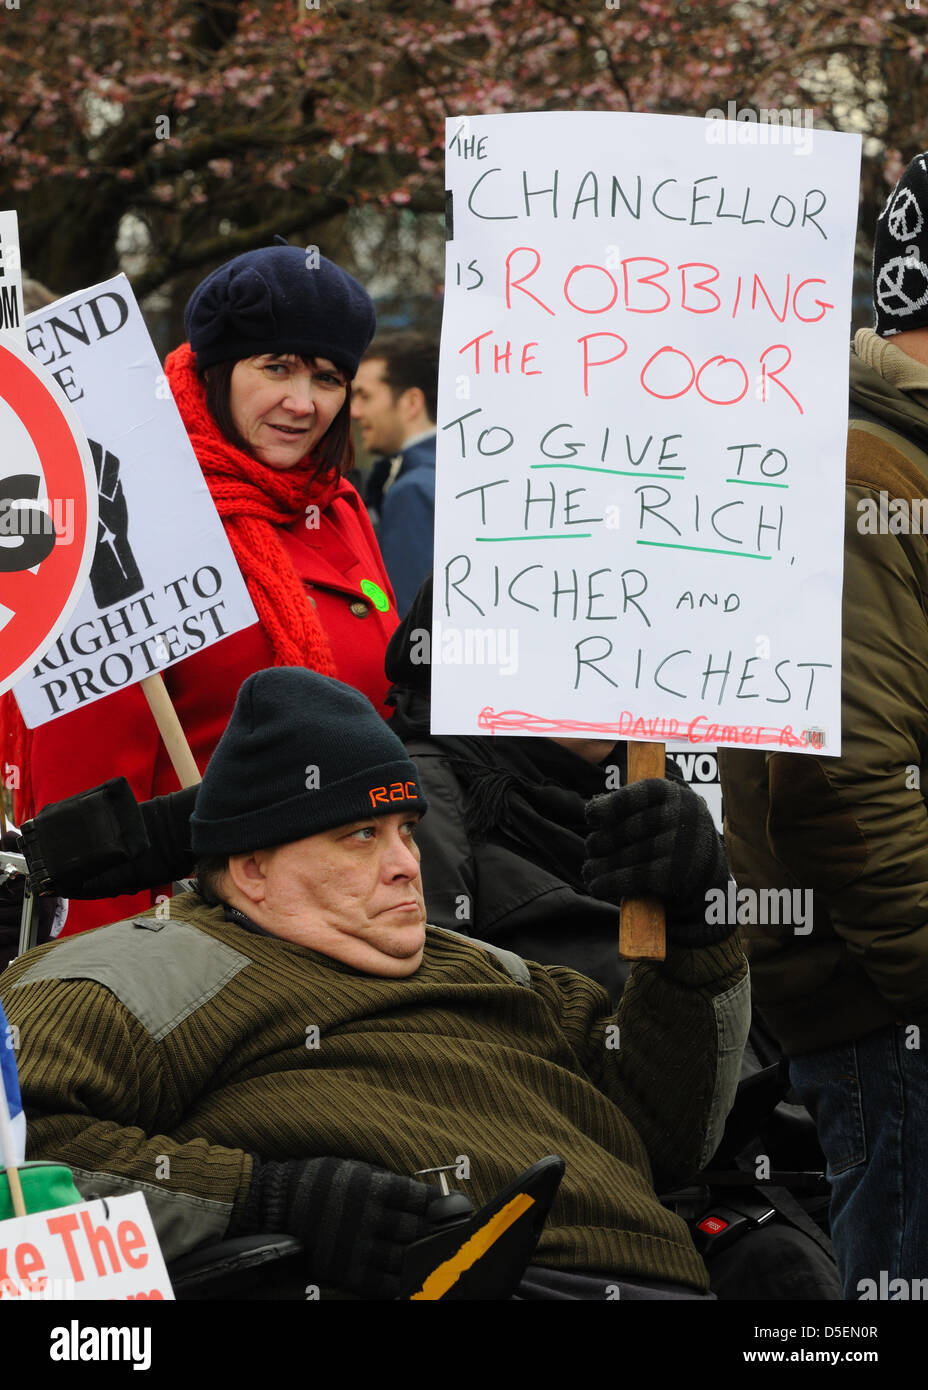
(164, 582)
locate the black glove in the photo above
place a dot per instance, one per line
(101, 843)
(658, 837)
(167, 824)
(354, 1220)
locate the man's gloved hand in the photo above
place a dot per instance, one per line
(658, 837)
(354, 1220)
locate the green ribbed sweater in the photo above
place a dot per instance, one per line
(140, 1045)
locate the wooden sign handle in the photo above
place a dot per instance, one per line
(169, 726)
(641, 924)
(16, 1192)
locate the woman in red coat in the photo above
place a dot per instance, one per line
(263, 387)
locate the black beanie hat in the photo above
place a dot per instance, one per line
(280, 299)
(900, 254)
(302, 753)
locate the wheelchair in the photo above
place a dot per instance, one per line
(102, 843)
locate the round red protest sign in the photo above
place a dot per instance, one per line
(40, 582)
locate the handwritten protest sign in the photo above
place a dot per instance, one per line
(48, 510)
(642, 412)
(91, 1250)
(11, 278)
(163, 581)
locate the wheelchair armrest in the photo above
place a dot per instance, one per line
(756, 1099)
(229, 1268)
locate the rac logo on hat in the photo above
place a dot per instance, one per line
(397, 791)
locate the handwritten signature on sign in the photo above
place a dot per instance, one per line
(698, 730)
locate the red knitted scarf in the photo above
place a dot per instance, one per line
(253, 501)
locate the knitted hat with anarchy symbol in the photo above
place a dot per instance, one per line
(900, 254)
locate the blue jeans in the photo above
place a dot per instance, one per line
(869, 1101)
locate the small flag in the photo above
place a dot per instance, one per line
(12, 1116)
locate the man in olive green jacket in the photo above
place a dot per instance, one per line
(293, 1044)
(847, 995)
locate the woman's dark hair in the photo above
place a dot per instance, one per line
(334, 455)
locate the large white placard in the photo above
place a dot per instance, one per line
(164, 582)
(642, 423)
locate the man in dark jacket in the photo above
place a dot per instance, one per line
(394, 402)
(294, 1043)
(848, 995)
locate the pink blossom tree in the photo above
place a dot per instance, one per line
(216, 123)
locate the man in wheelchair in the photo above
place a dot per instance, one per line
(284, 1049)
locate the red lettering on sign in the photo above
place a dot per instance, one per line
(28, 1261)
(97, 1237)
(518, 284)
(646, 280)
(699, 285)
(589, 361)
(526, 358)
(822, 304)
(668, 395)
(130, 1238)
(475, 344)
(775, 373)
(602, 307)
(713, 400)
(64, 1226)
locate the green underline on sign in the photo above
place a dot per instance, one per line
(616, 472)
(705, 549)
(570, 536)
(749, 482)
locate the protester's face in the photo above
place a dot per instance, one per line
(353, 893)
(592, 750)
(375, 410)
(282, 408)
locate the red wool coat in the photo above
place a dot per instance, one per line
(117, 736)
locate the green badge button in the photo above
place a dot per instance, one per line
(376, 595)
